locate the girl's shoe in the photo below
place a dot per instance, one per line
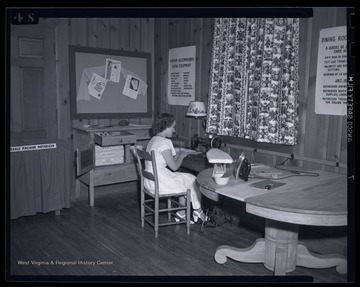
(200, 215)
(183, 217)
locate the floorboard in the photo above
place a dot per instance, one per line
(108, 240)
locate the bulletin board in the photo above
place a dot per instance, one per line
(107, 83)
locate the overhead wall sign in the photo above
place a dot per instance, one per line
(331, 76)
(181, 77)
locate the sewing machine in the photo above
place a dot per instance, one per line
(205, 143)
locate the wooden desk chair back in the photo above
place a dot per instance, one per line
(150, 201)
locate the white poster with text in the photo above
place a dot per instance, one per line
(331, 76)
(181, 76)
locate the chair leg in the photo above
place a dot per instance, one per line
(156, 217)
(169, 206)
(188, 207)
(142, 208)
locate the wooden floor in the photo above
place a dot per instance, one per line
(108, 240)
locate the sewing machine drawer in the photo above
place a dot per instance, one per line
(114, 138)
(141, 134)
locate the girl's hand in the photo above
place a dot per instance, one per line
(183, 154)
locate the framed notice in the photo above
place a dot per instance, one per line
(181, 76)
(331, 76)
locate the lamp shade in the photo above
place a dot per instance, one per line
(196, 109)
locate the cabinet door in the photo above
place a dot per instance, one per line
(85, 159)
(33, 83)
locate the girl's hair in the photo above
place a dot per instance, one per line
(162, 122)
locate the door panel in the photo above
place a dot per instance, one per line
(32, 97)
(33, 83)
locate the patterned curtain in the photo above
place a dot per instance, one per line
(254, 91)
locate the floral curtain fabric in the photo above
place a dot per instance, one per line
(253, 91)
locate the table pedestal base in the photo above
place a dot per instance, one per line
(280, 251)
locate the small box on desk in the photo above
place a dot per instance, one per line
(114, 138)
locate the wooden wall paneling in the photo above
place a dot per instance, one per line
(193, 122)
(315, 124)
(92, 42)
(134, 34)
(175, 44)
(158, 59)
(134, 45)
(147, 46)
(114, 38)
(332, 142)
(164, 64)
(146, 37)
(208, 30)
(338, 136)
(172, 32)
(103, 41)
(78, 34)
(198, 37)
(184, 42)
(92, 32)
(62, 38)
(124, 34)
(325, 142)
(62, 78)
(343, 144)
(78, 31)
(342, 132)
(92, 35)
(181, 118)
(114, 33)
(304, 66)
(103, 33)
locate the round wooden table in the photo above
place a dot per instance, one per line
(308, 200)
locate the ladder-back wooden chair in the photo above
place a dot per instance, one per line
(150, 201)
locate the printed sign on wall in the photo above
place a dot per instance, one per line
(181, 77)
(331, 76)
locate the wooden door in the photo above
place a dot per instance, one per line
(33, 83)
